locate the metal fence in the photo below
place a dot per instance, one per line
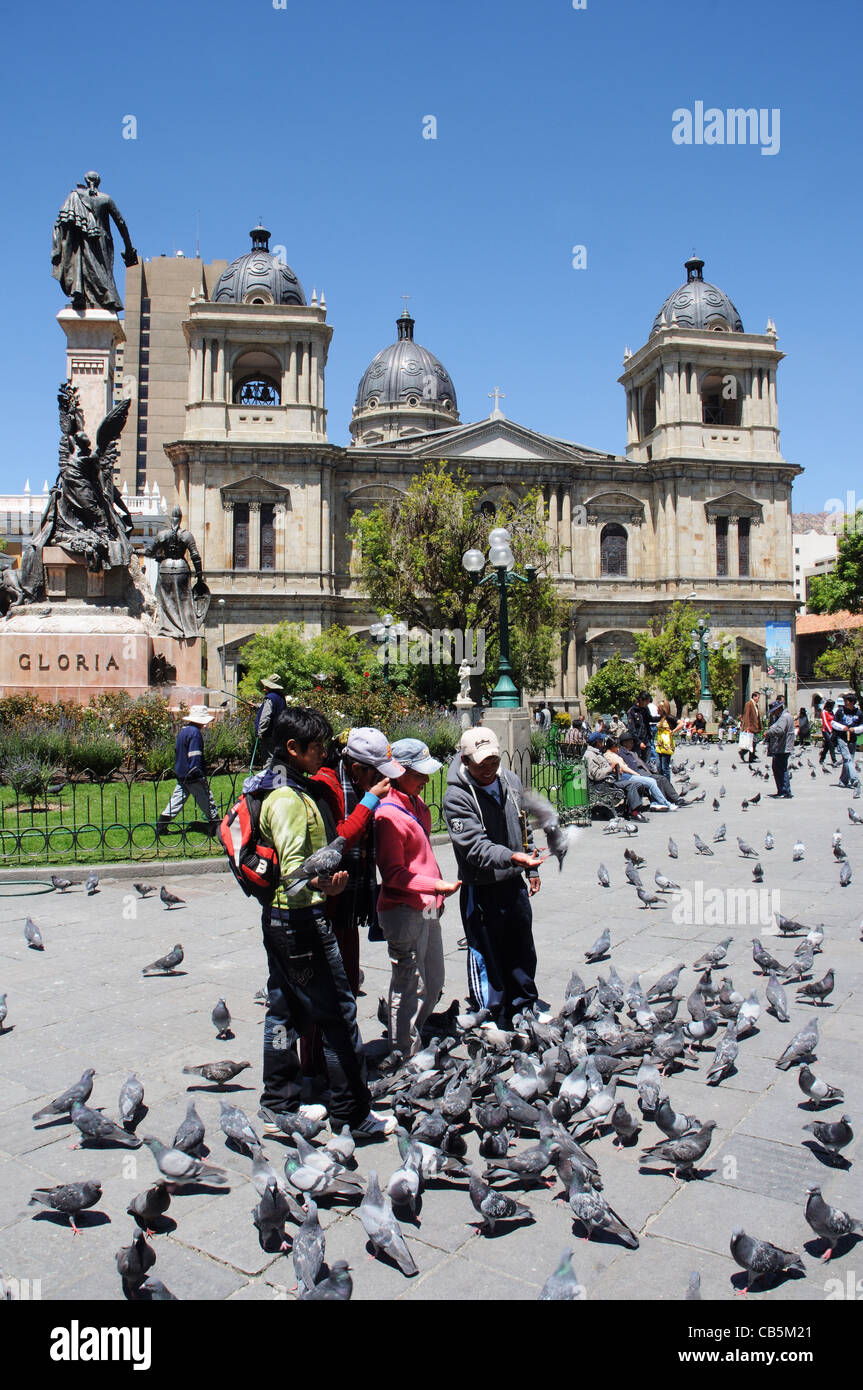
(92, 820)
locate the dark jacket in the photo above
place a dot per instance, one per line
(189, 754)
(780, 735)
(638, 720)
(271, 707)
(483, 831)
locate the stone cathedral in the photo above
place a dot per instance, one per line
(226, 365)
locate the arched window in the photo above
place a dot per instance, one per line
(648, 409)
(720, 399)
(256, 390)
(612, 549)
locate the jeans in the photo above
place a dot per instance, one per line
(197, 788)
(649, 785)
(501, 958)
(416, 956)
(847, 777)
(309, 976)
(781, 775)
(664, 764)
(828, 745)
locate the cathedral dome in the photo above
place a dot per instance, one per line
(259, 277)
(406, 374)
(698, 304)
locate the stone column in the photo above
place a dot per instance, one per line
(254, 535)
(566, 526)
(228, 547)
(92, 338)
(280, 521)
(292, 375)
(219, 393)
(553, 534)
(326, 532)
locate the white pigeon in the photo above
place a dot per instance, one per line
(799, 851)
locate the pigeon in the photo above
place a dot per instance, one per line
(636, 860)
(831, 1136)
(818, 1091)
(62, 1104)
(665, 885)
(602, 875)
(838, 853)
(591, 1209)
(543, 815)
(719, 837)
(746, 849)
(92, 884)
(562, 1286)
(376, 1213)
(32, 935)
(716, 803)
(766, 962)
(494, 1206)
(757, 872)
(403, 1187)
(236, 1127)
(845, 875)
(701, 847)
(801, 1046)
(309, 1247)
(190, 1135)
(724, 1056)
(828, 1222)
(133, 1261)
(131, 1100)
(817, 990)
(157, 1291)
(649, 1085)
(269, 1217)
(96, 1127)
(337, 1287)
(144, 889)
(599, 949)
(341, 1145)
(221, 1017)
(787, 925)
(219, 1072)
(685, 1152)
(853, 816)
(61, 884)
(648, 899)
(170, 899)
(666, 984)
(715, 956)
(4, 1010)
(323, 862)
(674, 1126)
(165, 965)
(777, 998)
(672, 849)
(179, 1167)
(769, 841)
(754, 800)
(150, 1206)
(295, 1121)
(625, 1126)
(495, 1144)
(69, 1198)
(633, 876)
(798, 851)
(761, 1259)
(307, 1179)
(532, 1162)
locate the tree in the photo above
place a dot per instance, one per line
(843, 660)
(410, 565)
(347, 661)
(665, 652)
(723, 669)
(613, 687)
(842, 589)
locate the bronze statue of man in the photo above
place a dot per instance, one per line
(82, 252)
(182, 606)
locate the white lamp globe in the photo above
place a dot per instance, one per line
(500, 556)
(473, 561)
(499, 536)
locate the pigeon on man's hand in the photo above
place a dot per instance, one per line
(542, 814)
(322, 864)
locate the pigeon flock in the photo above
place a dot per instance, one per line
(500, 1117)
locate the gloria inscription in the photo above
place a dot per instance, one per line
(64, 662)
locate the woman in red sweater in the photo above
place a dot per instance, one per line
(411, 897)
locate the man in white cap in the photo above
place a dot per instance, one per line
(482, 809)
(190, 771)
(271, 707)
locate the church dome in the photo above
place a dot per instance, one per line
(259, 277)
(698, 304)
(406, 374)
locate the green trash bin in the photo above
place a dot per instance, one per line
(573, 785)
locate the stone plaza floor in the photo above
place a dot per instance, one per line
(83, 1002)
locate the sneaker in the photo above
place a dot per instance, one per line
(316, 1113)
(654, 806)
(374, 1127)
(271, 1131)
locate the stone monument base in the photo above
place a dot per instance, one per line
(464, 707)
(513, 728)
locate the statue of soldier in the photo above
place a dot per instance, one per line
(82, 251)
(182, 605)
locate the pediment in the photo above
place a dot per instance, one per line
(370, 493)
(255, 489)
(496, 439)
(733, 505)
(621, 507)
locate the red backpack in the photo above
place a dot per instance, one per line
(255, 865)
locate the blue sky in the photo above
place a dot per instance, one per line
(553, 130)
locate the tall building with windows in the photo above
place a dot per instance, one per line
(698, 506)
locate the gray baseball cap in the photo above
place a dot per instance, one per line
(370, 747)
(415, 756)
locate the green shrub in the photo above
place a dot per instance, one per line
(227, 740)
(160, 758)
(100, 754)
(537, 745)
(29, 776)
(440, 733)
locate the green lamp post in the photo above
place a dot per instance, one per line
(505, 694)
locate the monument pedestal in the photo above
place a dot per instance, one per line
(513, 729)
(92, 339)
(464, 710)
(184, 658)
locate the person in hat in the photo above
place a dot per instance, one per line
(780, 745)
(270, 708)
(191, 772)
(494, 850)
(639, 768)
(411, 897)
(632, 771)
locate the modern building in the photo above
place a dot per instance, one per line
(815, 550)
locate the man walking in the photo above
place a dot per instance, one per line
(829, 735)
(847, 725)
(190, 771)
(750, 727)
(271, 707)
(780, 746)
(493, 849)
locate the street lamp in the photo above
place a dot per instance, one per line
(222, 605)
(500, 557)
(381, 632)
(701, 636)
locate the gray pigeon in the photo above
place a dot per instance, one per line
(337, 1287)
(144, 889)
(323, 862)
(666, 984)
(777, 998)
(672, 849)
(165, 965)
(403, 1187)
(341, 1145)
(92, 884)
(157, 1291)
(832, 1136)
(308, 1249)
(32, 935)
(724, 1057)
(633, 876)
(802, 1046)
(758, 872)
(269, 1217)
(769, 841)
(543, 815)
(69, 1198)
(221, 1017)
(828, 1222)
(495, 1206)
(701, 847)
(148, 1207)
(170, 899)
(591, 1209)
(133, 1261)
(294, 1121)
(673, 1125)
(766, 962)
(376, 1213)
(94, 1126)
(818, 1091)
(746, 849)
(218, 1072)
(602, 875)
(62, 1104)
(190, 1135)
(625, 1126)
(179, 1167)
(562, 1286)
(761, 1259)
(600, 947)
(817, 990)
(665, 885)
(685, 1152)
(845, 875)
(649, 900)
(235, 1126)
(719, 837)
(61, 884)
(131, 1100)
(798, 852)
(714, 956)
